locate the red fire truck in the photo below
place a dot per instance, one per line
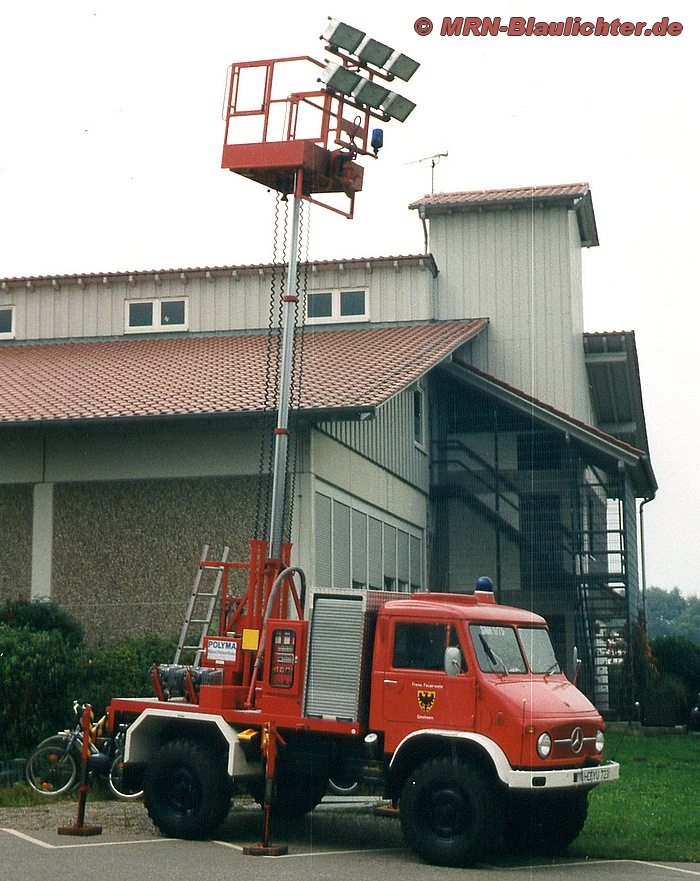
(455, 704)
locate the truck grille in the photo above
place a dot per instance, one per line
(573, 742)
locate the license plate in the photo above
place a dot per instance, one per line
(594, 775)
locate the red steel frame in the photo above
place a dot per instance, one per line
(303, 167)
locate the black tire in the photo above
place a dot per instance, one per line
(448, 811)
(51, 770)
(116, 783)
(545, 825)
(187, 790)
(293, 795)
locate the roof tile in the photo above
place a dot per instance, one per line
(341, 369)
(512, 194)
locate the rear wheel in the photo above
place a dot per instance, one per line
(52, 770)
(293, 796)
(448, 812)
(187, 791)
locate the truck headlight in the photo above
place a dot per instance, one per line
(599, 742)
(544, 745)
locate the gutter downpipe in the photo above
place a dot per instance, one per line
(642, 554)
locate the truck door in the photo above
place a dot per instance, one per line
(417, 691)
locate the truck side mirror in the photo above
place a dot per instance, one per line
(453, 661)
(577, 666)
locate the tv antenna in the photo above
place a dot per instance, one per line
(433, 160)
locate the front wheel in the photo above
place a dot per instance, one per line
(52, 769)
(545, 825)
(187, 790)
(448, 812)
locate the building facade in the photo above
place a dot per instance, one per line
(450, 419)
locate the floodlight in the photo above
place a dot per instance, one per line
(402, 66)
(342, 36)
(397, 107)
(370, 93)
(373, 52)
(340, 79)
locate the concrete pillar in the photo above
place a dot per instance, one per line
(42, 540)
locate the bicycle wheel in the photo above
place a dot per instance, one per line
(52, 770)
(116, 781)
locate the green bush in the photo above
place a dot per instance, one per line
(37, 681)
(42, 672)
(665, 703)
(679, 658)
(122, 669)
(42, 615)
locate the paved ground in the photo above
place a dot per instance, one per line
(335, 843)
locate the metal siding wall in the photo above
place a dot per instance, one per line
(389, 552)
(416, 576)
(323, 537)
(403, 567)
(341, 545)
(359, 548)
(374, 554)
(522, 270)
(216, 303)
(355, 549)
(387, 440)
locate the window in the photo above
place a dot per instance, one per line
(156, 315)
(7, 322)
(336, 306)
(418, 417)
(497, 648)
(422, 646)
(352, 303)
(539, 650)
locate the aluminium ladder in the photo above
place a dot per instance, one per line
(200, 608)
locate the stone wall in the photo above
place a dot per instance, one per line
(16, 544)
(125, 552)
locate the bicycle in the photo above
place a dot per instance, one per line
(53, 769)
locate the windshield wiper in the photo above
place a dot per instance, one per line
(492, 656)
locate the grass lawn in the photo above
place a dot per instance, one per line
(653, 811)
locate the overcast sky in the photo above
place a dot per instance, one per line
(110, 150)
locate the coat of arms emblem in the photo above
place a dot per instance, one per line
(426, 699)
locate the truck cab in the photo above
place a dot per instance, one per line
(487, 742)
(463, 663)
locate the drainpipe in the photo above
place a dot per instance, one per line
(421, 214)
(642, 555)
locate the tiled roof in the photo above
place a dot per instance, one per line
(513, 194)
(185, 272)
(576, 196)
(342, 368)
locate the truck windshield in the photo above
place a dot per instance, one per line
(497, 648)
(538, 650)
